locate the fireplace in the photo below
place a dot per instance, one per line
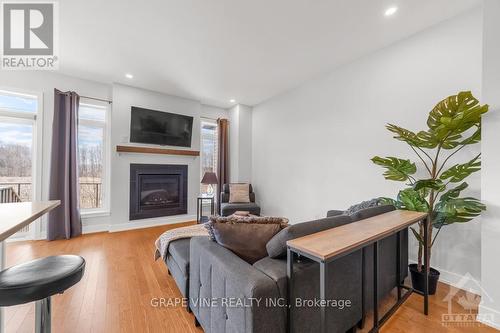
(157, 190)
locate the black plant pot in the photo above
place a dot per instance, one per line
(417, 279)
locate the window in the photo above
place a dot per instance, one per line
(17, 140)
(18, 147)
(209, 145)
(93, 156)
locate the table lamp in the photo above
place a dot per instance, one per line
(209, 178)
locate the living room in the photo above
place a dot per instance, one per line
(266, 153)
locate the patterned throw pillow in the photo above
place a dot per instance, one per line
(239, 193)
(363, 205)
(283, 222)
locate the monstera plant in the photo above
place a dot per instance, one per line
(453, 124)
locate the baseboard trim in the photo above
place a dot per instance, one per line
(151, 223)
(489, 316)
(91, 229)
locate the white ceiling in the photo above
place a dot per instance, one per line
(215, 50)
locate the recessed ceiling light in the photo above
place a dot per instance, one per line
(129, 76)
(232, 100)
(391, 11)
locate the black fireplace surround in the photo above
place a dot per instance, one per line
(157, 190)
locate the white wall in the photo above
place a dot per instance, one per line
(312, 145)
(490, 182)
(240, 144)
(123, 98)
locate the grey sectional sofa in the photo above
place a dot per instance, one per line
(216, 273)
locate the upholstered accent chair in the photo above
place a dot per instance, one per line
(227, 208)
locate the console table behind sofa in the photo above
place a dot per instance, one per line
(326, 246)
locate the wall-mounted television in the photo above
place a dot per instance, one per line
(160, 128)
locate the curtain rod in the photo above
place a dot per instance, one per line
(98, 99)
(87, 97)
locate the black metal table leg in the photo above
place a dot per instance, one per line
(323, 268)
(290, 255)
(361, 323)
(398, 263)
(426, 264)
(375, 288)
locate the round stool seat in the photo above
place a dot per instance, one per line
(39, 279)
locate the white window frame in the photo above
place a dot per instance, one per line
(106, 168)
(210, 122)
(36, 120)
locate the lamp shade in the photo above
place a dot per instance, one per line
(209, 178)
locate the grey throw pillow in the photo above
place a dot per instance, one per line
(363, 205)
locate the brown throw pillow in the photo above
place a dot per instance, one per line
(247, 240)
(281, 221)
(239, 193)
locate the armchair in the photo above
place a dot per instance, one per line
(227, 208)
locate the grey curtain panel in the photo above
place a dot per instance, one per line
(64, 221)
(223, 157)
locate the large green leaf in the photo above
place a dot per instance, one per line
(397, 169)
(433, 140)
(402, 134)
(455, 115)
(454, 192)
(459, 172)
(431, 184)
(457, 210)
(388, 201)
(409, 199)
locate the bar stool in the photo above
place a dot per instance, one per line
(38, 280)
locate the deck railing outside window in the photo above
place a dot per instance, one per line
(90, 192)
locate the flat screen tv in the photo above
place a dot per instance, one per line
(160, 128)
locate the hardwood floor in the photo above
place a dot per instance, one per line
(121, 278)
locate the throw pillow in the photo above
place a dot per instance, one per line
(281, 221)
(363, 205)
(247, 240)
(239, 193)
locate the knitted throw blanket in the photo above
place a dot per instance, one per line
(161, 244)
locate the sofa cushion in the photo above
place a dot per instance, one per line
(231, 208)
(276, 247)
(179, 251)
(247, 240)
(180, 277)
(276, 270)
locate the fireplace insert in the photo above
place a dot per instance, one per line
(157, 190)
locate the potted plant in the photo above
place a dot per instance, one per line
(453, 124)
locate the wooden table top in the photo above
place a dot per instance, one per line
(332, 242)
(17, 215)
